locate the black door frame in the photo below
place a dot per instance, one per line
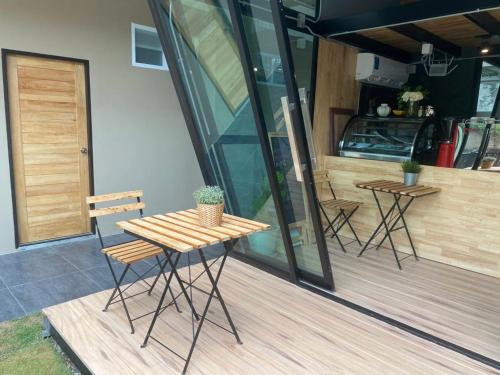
(287, 62)
(278, 11)
(5, 52)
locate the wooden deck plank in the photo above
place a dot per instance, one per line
(456, 305)
(285, 330)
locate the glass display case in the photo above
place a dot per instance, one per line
(391, 139)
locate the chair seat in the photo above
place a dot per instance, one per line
(131, 252)
(340, 204)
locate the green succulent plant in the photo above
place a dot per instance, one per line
(209, 195)
(410, 166)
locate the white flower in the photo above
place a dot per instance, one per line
(412, 96)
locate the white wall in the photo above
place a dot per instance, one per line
(140, 139)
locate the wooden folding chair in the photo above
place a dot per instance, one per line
(344, 208)
(127, 253)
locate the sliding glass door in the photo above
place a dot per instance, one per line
(265, 52)
(231, 63)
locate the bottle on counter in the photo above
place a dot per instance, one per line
(420, 112)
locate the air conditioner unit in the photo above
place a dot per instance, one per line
(381, 71)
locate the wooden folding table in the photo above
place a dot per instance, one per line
(391, 218)
(180, 233)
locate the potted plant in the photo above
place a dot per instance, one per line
(411, 169)
(487, 162)
(210, 201)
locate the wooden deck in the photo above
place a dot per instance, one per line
(457, 305)
(285, 330)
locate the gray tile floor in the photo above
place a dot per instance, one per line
(31, 280)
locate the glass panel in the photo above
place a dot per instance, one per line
(302, 46)
(147, 47)
(490, 162)
(265, 59)
(212, 76)
(488, 89)
(474, 131)
(374, 136)
(303, 6)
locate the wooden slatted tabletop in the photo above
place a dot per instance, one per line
(182, 232)
(393, 187)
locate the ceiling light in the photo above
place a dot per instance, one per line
(485, 48)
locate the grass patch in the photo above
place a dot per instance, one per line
(23, 350)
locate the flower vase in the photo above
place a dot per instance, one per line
(412, 109)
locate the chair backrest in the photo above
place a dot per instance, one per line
(103, 211)
(320, 178)
(94, 212)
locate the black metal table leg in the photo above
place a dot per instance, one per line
(165, 277)
(214, 290)
(405, 226)
(162, 270)
(379, 227)
(388, 232)
(157, 312)
(179, 280)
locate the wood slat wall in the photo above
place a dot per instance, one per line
(335, 87)
(457, 226)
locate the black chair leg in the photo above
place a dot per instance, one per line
(350, 225)
(118, 284)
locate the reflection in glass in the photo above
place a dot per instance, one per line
(488, 89)
(475, 133)
(268, 71)
(307, 7)
(212, 76)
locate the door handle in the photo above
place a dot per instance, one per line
(291, 137)
(304, 103)
(84, 150)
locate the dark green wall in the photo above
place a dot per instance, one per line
(454, 95)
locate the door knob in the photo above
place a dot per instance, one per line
(84, 150)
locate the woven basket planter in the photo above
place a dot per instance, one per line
(210, 215)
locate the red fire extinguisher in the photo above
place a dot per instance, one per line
(446, 153)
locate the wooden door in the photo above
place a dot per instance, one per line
(47, 102)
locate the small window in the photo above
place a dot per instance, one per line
(146, 48)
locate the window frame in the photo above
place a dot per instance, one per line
(133, 28)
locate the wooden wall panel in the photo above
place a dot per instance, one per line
(335, 87)
(458, 226)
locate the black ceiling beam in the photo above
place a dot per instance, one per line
(421, 35)
(374, 46)
(485, 21)
(397, 15)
